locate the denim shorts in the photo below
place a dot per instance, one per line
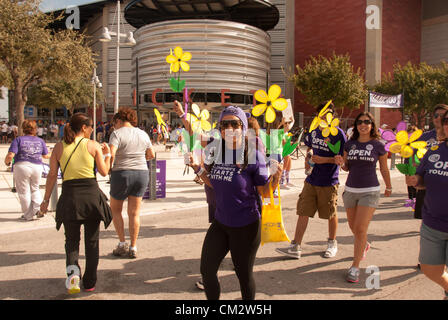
(125, 183)
(433, 246)
(364, 199)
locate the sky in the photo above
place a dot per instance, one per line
(51, 5)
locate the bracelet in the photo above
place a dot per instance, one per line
(388, 189)
(200, 172)
(180, 116)
(45, 201)
(107, 155)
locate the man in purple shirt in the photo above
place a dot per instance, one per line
(320, 192)
(432, 174)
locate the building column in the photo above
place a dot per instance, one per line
(374, 37)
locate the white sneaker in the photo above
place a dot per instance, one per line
(284, 186)
(293, 251)
(332, 249)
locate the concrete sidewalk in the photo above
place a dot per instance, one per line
(181, 191)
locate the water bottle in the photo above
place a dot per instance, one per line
(310, 162)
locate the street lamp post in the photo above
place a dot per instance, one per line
(106, 37)
(96, 82)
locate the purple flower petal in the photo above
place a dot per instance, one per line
(387, 146)
(388, 135)
(401, 126)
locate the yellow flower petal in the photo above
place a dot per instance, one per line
(314, 124)
(421, 152)
(204, 114)
(334, 131)
(196, 125)
(262, 96)
(415, 135)
(178, 52)
(191, 118)
(335, 122)
(323, 123)
(186, 56)
(324, 109)
(259, 109)
(196, 109)
(171, 59)
(418, 144)
(205, 125)
(185, 66)
(329, 117)
(274, 92)
(406, 151)
(395, 147)
(175, 67)
(270, 115)
(326, 132)
(402, 137)
(280, 104)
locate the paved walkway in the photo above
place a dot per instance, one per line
(32, 257)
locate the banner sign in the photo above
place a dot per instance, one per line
(160, 186)
(379, 100)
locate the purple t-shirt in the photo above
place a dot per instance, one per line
(434, 170)
(326, 174)
(235, 191)
(362, 158)
(28, 148)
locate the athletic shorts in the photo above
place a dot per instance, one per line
(125, 183)
(321, 199)
(433, 246)
(363, 199)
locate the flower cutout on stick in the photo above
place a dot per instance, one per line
(330, 125)
(178, 60)
(160, 121)
(405, 144)
(318, 118)
(199, 120)
(270, 102)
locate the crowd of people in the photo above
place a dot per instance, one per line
(237, 170)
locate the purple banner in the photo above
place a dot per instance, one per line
(160, 180)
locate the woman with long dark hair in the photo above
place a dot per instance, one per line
(82, 202)
(238, 176)
(362, 189)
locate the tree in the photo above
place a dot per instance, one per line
(30, 51)
(322, 79)
(423, 87)
(57, 93)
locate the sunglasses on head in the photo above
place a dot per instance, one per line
(366, 121)
(233, 123)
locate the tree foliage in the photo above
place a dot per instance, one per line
(30, 51)
(423, 87)
(57, 93)
(322, 79)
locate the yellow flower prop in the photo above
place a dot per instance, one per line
(178, 60)
(329, 126)
(405, 144)
(269, 102)
(199, 119)
(160, 121)
(317, 120)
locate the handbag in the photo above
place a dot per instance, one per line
(272, 228)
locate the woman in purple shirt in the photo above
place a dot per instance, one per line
(28, 151)
(362, 188)
(238, 176)
(432, 174)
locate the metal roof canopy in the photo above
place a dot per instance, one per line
(257, 13)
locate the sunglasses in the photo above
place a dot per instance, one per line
(437, 115)
(235, 124)
(445, 121)
(366, 121)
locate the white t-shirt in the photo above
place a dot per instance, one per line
(40, 131)
(5, 128)
(131, 144)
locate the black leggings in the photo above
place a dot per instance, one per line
(91, 241)
(243, 244)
